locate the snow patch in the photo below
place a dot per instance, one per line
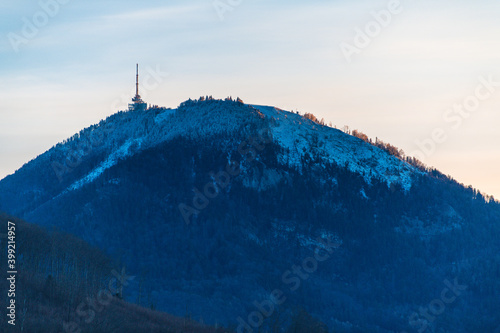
(120, 154)
(303, 137)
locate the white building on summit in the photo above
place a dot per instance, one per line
(137, 103)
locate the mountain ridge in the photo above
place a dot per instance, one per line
(158, 125)
(403, 229)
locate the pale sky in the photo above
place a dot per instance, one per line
(75, 65)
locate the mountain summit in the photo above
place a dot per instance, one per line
(242, 214)
(84, 157)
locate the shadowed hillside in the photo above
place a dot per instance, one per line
(65, 285)
(218, 205)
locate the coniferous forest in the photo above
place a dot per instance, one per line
(242, 252)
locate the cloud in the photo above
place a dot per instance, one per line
(158, 13)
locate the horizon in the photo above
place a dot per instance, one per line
(423, 80)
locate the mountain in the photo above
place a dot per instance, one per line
(256, 217)
(64, 284)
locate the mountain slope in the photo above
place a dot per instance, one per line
(87, 154)
(63, 284)
(263, 190)
(299, 135)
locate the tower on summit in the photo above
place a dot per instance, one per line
(137, 103)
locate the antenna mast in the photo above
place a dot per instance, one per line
(137, 81)
(137, 102)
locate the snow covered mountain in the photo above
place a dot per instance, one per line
(302, 136)
(262, 190)
(126, 133)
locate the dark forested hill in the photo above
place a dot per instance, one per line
(64, 285)
(260, 218)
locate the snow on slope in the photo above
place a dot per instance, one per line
(119, 154)
(144, 130)
(296, 133)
